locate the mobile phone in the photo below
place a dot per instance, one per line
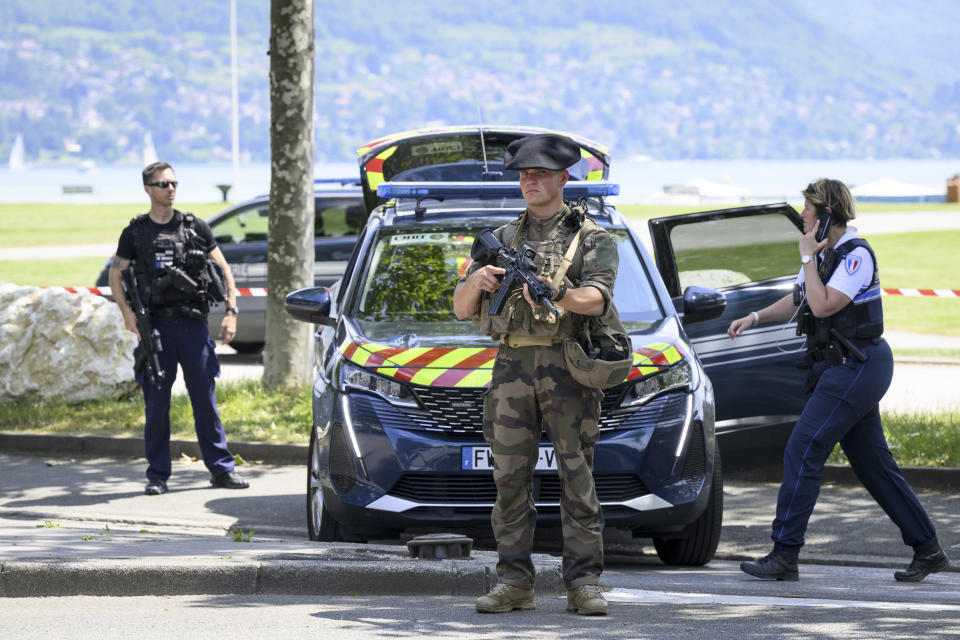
(824, 214)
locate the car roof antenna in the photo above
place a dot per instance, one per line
(487, 175)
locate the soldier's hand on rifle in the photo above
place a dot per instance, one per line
(485, 278)
(526, 292)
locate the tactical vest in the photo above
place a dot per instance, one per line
(173, 273)
(518, 318)
(861, 321)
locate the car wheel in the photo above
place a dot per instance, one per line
(702, 536)
(246, 347)
(321, 525)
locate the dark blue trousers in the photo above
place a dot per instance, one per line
(187, 342)
(844, 408)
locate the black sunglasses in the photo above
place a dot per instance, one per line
(163, 184)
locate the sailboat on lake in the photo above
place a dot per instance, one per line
(149, 151)
(17, 162)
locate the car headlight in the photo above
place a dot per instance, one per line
(679, 376)
(352, 377)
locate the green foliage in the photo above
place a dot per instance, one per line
(919, 439)
(413, 281)
(240, 536)
(673, 80)
(249, 412)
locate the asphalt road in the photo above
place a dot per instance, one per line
(81, 529)
(637, 615)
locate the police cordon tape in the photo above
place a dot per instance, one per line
(259, 292)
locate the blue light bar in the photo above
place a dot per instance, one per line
(341, 181)
(573, 189)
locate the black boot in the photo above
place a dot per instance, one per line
(776, 565)
(924, 563)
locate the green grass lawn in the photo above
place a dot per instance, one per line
(31, 225)
(66, 272)
(249, 412)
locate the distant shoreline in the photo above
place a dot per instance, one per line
(642, 181)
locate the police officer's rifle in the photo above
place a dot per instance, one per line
(150, 345)
(520, 268)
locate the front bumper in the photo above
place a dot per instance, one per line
(383, 472)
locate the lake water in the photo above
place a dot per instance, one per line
(640, 181)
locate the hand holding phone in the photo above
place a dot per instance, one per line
(824, 215)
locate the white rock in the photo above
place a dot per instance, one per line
(57, 345)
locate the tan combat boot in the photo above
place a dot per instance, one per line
(587, 600)
(504, 597)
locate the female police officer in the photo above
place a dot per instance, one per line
(837, 297)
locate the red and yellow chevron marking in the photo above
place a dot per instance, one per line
(471, 128)
(427, 366)
(473, 366)
(375, 168)
(655, 356)
(594, 166)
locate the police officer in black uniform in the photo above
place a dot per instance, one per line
(837, 299)
(169, 252)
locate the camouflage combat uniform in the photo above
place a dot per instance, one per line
(532, 390)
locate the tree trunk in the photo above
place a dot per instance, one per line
(288, 352)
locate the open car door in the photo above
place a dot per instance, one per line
(750, 255)
(459, 154)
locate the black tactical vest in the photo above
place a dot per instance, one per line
(172, 269)
(861, 320)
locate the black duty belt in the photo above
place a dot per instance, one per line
(177, 312)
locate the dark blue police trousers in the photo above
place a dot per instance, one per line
(188, 342)
(844, 408)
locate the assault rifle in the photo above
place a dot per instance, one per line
(179, 280)
(149, 337)
(520, 271)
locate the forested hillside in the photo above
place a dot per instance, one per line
(700, 79)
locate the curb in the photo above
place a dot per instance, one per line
(201, 576)
(127, 447)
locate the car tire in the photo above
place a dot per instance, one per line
(246, 347)
(699, 543)
(321, 525)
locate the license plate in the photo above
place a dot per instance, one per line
(481, 458)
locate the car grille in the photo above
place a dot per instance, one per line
(474, 488)
(459, 412)
(453, 410)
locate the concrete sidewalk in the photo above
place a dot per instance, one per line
(80, 525)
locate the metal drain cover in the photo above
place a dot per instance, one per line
(438, 546)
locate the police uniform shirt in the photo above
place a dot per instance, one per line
(126, 247)
(854, 274)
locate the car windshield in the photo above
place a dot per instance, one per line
(410, 277)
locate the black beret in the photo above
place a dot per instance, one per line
(542, 151)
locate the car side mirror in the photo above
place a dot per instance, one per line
(701, 303)
(310, 305)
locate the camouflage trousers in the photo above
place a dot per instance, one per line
(531, 384)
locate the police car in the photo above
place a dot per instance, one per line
(241, 233)
(396, 439)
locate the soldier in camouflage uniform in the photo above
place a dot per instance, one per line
(531, 378)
